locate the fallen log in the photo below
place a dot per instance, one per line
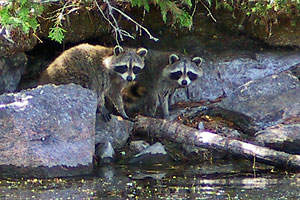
(180, 133)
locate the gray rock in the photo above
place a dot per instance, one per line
(116, 131)
(138, 145)
(11, 69)
(105, 153)
(154, 154)
(281, 137)
(200, 126)
(48, 126)
(267, 101)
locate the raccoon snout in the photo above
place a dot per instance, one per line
(184, 82)
(129, 78)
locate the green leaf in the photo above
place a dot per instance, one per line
(209, 2)
(189, 3)
(164, 15)
(57, 34)
(147, 7)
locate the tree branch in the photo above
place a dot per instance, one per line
(119, 33)
(180, 133)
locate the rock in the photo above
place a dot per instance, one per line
(267, 101)
(49, 126)
(154, 154)
(138, 145)
(200, 126)
(11, 69)
(239, 71)
(13, 40)
(283, 137)
(105, 153)
(116, 131)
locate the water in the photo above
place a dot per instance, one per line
(233, 180)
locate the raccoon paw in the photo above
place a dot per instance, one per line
(105, 114)
(106, 117)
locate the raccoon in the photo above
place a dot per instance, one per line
(158, 83)
(104, 70)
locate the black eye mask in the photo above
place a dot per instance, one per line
(120, 69)
(192, 76)
(136, 70)
(175, 75)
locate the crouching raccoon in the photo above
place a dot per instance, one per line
(104, 70)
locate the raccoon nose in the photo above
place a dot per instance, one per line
(129, 78)
(183, 82)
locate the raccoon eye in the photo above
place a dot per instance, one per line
(136, 70)
(175, 75)
(192, 76)
(121, 69)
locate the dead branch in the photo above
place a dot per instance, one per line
(180, 133)
(120, 33)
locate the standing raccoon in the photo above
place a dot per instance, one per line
(104, 70)
(158, 83)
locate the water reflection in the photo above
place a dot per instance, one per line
(226, 181)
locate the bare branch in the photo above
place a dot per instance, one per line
(115, 27)
(120, 33)
(137, 24)
(209, 13)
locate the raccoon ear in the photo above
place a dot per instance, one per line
(173, 58)
(142, 52)
(197, 60)
(117, 50)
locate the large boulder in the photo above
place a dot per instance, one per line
(49, 127)
(267, 101)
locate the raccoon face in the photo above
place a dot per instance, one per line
(183, 70)
(128, 63)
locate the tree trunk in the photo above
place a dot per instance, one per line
(180, 133)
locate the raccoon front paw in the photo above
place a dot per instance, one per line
(106, 117)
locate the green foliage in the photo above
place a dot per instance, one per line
(56, 33)
(260, 9)
(22, 14)
(175, 8)
(260, 12)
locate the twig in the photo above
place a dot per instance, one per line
(209, 13)
(118, 31)
(137, 24)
